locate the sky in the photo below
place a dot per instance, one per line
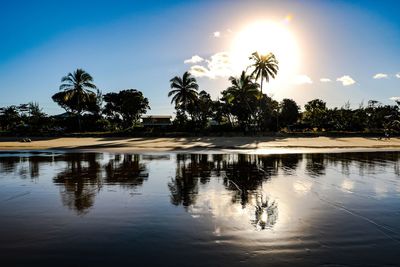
(338, 51)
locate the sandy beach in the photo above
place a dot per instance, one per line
(238, 144)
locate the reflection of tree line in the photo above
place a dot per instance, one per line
(242, 174)
(245, 174)
(85, 174)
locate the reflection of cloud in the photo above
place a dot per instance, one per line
(193, 60)
(302, 187)
(380, 190)
(220, 206)
(398, 75)
(346, 80)
(325, 80)
(347, 185)
(219, 65)
(302, 79)
(380, 76)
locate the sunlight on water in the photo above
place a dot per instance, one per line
(200, 209)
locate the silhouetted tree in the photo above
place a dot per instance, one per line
(242, 95)
(183, 91)
(315, 113)
(202, 109)
(77, 93)
(289, 112)
(126, 106)
(265, 67)
(9, 117)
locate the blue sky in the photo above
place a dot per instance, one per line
(142, 44)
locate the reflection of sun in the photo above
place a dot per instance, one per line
(265, 37)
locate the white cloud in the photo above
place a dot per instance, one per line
(325, 80)
(193, 60)
(198, 71)
(219, 65)
(395, 98)
(398, 75)
(302, 79)
(380, 76)
(346, 80)
(217, 34)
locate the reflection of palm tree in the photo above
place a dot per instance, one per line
(265, 67)
(81, 181)
(9, 164)
(83, 177)
(315, 164)
(244, 176)
(265, 214)
(184, 91)
(127, 172)
(190, 170)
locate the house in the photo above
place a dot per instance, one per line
(156, 120)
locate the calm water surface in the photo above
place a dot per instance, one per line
(100, 209)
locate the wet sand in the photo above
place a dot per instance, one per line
(229, 144)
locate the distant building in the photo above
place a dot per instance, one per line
(156, 120)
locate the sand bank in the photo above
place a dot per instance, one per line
(238, 144)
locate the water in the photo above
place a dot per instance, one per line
(88, 209)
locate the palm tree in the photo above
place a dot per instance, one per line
(265, 66)
(77, 88)
(243, 92)
(184, 90)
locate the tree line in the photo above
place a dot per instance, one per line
(243, 106)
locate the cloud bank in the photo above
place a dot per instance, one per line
(219, 65)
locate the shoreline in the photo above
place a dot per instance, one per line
(248, 145)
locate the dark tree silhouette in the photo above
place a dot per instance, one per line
(183, 91)
(265, 67)
(289, 112)
(77, 93)
(242, 94)
(126, 106)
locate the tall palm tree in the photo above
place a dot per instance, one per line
(243, 91)
(184, 90)
(78, 88)
(265, 67)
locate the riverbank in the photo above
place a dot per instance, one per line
(239, 144)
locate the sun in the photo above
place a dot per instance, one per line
(265, 37)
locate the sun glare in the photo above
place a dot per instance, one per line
(265, 37)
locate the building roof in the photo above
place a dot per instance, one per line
(156, 117)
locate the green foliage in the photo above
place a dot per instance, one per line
(25, 118)
(125, 107)
(315, 114)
